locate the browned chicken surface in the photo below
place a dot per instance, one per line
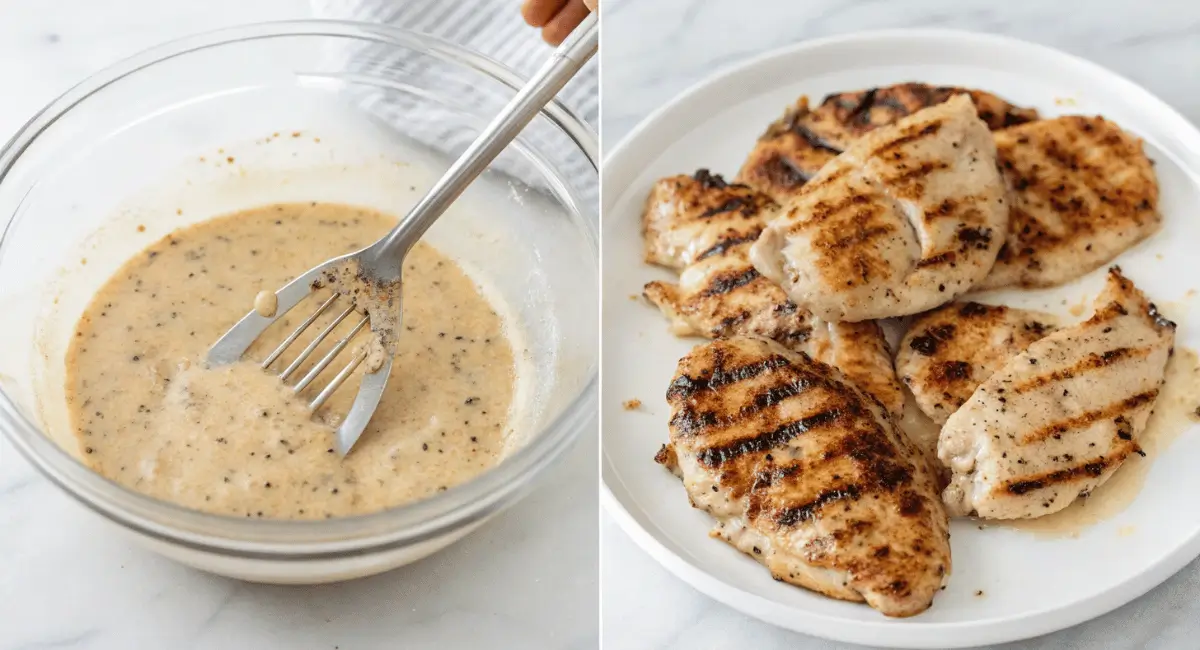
(907, 218)
(860, 352)
(704, 226)
(1083, 191)
(689, 218)
(807, 474)
(948, 352)
(700, 225)
(795, 147)
(1059, 418)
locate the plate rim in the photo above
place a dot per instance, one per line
(910, 633)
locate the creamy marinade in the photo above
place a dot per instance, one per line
(233, 440)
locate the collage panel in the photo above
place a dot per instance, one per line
(898, 342)
(301, 330)
(547, 325)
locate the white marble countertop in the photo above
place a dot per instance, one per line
(1155, 43)
(526, 580)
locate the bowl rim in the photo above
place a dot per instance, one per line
(302, 540)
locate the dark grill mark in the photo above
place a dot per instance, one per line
(799, 514)
(928, 343)
(856, 109)
(1160, 320)
(726, 282)
(1038, 329)
(912, 136)
(1090, 362)
(815, 141)
(1093, 468)
(795, 337)
(920, 171)
(1124, 427)
(1013, 118)
(719, 455)
(974, 309)
(942, 258)
(743, 203)
(950, 371)
(709, 180)
(1021, 487)
(779, 393)
(898, 587)
(725, 244)
(829, 179)
(944, 209)
(861, 112)
(875, 456)
(911, 504)
(823, 211)
(727, 324)
(977, 237)
(897, 107)
(690, 422)
(860, 236)
(1005, 254)
(684, 387)
(783, 172)
(1085, 419)
(927, 95)
(785, 307)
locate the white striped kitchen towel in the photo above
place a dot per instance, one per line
(491, 27)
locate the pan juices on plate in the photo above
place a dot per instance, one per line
(883, 203)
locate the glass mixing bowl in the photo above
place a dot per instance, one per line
(295, 111)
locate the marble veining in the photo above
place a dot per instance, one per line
(655, 49)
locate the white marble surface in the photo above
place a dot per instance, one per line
(654, 49)
(67, 580)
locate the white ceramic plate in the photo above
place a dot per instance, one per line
(1030, 585)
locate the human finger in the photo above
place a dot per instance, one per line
(564, 21)
(538, 13)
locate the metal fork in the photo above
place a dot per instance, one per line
(381, 263)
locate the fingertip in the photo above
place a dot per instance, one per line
(527, 13)
(539, 13)
(552, 36)
(564, 21)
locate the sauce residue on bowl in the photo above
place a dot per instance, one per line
(234, 440)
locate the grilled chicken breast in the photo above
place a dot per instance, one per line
(705, 226)
(700, 225)
(687, 218)
(807, 475)
(1058, 419)
(948, 352)
(860, 352)
(907, 218)
(795, 147)
(1083, 191)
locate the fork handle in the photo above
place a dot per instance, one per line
(529, 100)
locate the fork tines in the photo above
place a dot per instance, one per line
(325, 361)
